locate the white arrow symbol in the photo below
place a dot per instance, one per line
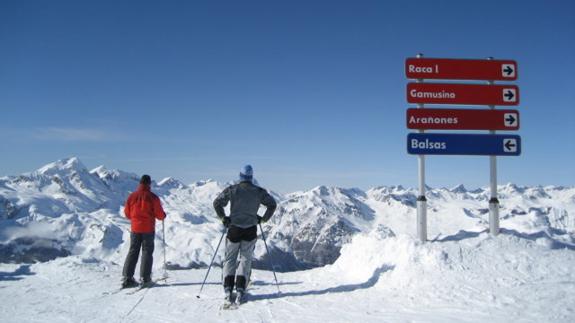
(510, 145)
(510, 119)
(509, 95)
(508, 70)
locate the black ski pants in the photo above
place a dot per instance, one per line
(145, 241)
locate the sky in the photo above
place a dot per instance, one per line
(308, 92)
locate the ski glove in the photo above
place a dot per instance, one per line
(226, 221)
(261, 220)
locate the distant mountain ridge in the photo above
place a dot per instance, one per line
(64, 208)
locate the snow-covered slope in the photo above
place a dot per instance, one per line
(379, 277)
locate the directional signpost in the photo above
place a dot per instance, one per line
(461, 69)
(465, 94)
(489, 95)
(463, 144)
(462, 119)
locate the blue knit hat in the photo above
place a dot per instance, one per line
(247, 173)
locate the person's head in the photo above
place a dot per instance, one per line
(246, 173)
(146, 180)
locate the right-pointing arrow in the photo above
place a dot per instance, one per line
(508, 71)
(509, 95)
(510, 119)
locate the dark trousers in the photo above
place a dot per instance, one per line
(145, 241)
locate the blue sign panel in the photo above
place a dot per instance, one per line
(463, 144)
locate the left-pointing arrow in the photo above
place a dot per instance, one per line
(509, 144)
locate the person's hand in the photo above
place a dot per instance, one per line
(226, 221)
(261, 220)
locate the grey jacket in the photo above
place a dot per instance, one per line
(246, 199)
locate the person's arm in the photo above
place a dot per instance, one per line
(220, 202)
(128, 207)
(270, 203)
(158, 209)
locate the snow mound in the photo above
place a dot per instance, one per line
(487, 265)
(528, 275)
(381, 251)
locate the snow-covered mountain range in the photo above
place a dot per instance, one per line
(63, 208)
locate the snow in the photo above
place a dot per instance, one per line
(372, 267)
(469, 278)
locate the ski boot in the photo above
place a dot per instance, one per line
(147, 283)
(228, 299)
(240, 296)
(129, 282)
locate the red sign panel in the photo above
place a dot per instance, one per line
(460, 69)
(471, 94)
(462, 119)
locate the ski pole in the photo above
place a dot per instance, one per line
(211, 262)
(270, 258)
(164, 246)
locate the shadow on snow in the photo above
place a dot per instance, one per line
(554, 243)
(254, 283)
(337, 289)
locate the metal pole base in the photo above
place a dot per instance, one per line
(422, 218)
(494, 216)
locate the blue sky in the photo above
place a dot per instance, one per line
(309, 92)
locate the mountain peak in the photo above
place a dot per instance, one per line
(203, 182)
(510, 188)
(114, 175)
(99, 169)
(170, 182)
(459, 189)
(72, 164)
(322, 190)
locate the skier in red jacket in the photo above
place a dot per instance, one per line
(142, 208)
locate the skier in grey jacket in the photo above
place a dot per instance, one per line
(245, 198)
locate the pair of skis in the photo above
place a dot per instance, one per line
(143, 286)
(135, 289)
(232, 305)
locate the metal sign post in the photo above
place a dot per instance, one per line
(421, 199)
(493, 200)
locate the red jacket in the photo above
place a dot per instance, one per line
(143, 208)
